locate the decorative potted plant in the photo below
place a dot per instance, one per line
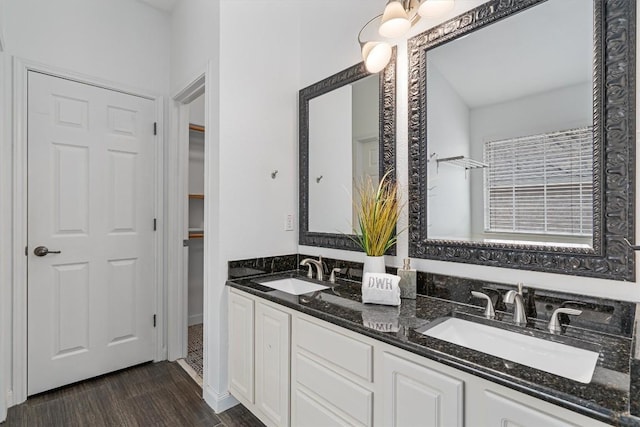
(378, 209)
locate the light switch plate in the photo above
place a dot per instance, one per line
(288, 222)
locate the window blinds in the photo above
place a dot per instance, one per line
(540, 184)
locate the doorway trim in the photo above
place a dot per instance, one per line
(214, 388)
(6, 79)
(177, 253)
(19, 222)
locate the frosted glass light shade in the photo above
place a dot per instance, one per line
(376, 56)
(395, 21)
(435, 8)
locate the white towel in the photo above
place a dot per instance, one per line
(380, 288)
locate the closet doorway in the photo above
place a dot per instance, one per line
(187, 227)
(195, 226)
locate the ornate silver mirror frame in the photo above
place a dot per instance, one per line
(611, 256)
(387, 138)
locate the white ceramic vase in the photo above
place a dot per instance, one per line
(373, 264)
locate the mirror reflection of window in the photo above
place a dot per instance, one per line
(527, 75)
(540, 184)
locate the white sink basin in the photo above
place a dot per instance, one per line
(293, 286)
(556, 358)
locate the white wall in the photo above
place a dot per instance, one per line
(565, 108)
(122, 41)
(196, 111)
(449, 198)
(338, 54)
(330, 157)
(251, 50)
(328, 37)
(195, 40)
(2, 19)
(258, 120)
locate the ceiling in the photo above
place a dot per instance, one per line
(166, 5)
(541, 49)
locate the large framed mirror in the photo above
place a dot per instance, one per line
(522, 137)
(346, 134)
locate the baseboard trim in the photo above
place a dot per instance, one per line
(5, 405)
(219, 402)
(195, 319)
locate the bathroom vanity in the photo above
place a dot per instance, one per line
(324, 358)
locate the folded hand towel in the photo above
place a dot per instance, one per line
(380, 288)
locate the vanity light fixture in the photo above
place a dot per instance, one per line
(433, 8)
(398, 17)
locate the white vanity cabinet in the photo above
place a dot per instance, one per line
(289, 368)
(416, 391)
(414, 394)
(241, 347)
(331, 375)
(497, 406)
(259, 349)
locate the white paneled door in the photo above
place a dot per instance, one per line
(91, 205)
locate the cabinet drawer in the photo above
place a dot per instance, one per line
(339, 349)
(311, 413)
(334, 389)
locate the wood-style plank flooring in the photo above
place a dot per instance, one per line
(153, 394)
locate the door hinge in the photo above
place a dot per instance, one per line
(185, 243)
(155, 128)
(155, 224)
(26, 251)
(154, 320)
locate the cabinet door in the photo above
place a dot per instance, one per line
(272, 363)
(416, 395)
(241, 347)
(503, 412)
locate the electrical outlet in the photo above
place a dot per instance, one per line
(288, 222)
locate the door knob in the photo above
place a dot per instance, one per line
(43, 250)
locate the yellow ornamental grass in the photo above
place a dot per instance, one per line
(378, 209)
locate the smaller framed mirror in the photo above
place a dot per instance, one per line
(346, 135)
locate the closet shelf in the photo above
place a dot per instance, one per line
(196, 196)
(196, 233)
(463, 162)
(196, 128)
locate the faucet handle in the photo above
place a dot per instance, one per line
(489, 312)
(332, 277)
(555, 325)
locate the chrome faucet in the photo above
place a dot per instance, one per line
(555, 326)
(307, 262)
(515, 298)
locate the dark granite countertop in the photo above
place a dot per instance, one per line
(608, 397)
